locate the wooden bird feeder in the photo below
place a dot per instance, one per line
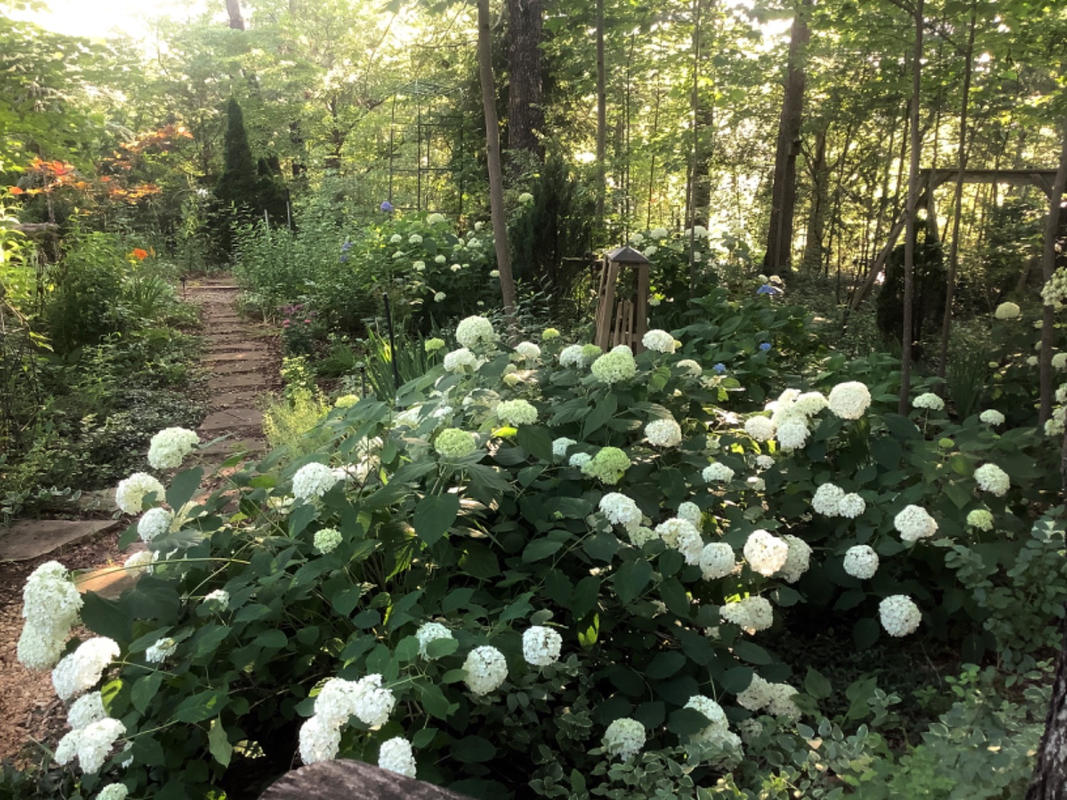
(622, 319)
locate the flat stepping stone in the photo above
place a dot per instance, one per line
(352, 780)
(33, 538)
(244, 355)
(230, 446)
(235, 380)
(110, 581)
(232, 419)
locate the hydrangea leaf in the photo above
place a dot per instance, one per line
(539, 549)
(183, 486)
(434, 515)
(218, 743)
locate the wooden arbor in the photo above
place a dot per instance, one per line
(619, 319)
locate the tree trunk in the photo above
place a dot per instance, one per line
(961, 161)
(233, 8)
(783, 191)
(492, 151)
(820, 198)
(1048, 266)
(703, 118)
(526, 117)
(913, 202)
(601, 116)
(1049, 781)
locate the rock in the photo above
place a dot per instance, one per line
(32, 538)
(342, 779)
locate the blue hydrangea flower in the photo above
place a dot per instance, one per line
(386, 206)
(765, 346)
(346, 246)
(768, 289)
(720, 368)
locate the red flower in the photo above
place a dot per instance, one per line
(139, 254)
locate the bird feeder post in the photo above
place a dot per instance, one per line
(622, 320)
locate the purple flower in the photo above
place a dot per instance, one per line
(768, 289)
(765, 346)
(386, 206)
(348, 245)
(720, 368)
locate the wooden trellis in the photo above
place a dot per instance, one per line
(622, 320)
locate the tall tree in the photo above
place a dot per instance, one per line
(526, 118)
(492, 152)
(783, 191)
(601, 115)
(233, 10)
(1048, 266)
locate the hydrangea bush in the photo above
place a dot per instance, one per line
(512, 585)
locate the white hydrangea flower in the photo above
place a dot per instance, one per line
(50, 600)
(616, 366)
(797, 560)
(39, 648)
(81, 670)
(899, 615)
(851, 506)
(458, 360)
(131, 492)
(929, 401)
(992, 479)
(327, 539)
(486, 669)
(67, 748)
(810, 403)
(1059, 361)
(717, 723)
(717, 560)
(139, 562)
(691, 512)
(765, 553)
(516, 412)
(658, 340)
(560, 445)
(161, 650)
(681, 535)
(87, 709)
(760, 428)
(849, 400)
(620, 509)
(154, 523)
(624, 738)
(541, 646)
(717, 472)
(663, 433)
(756, 696)
(1007, 310)
(95, 741)
(571, 356)
(113, 791)
(914, 523)
(528, 351)
(780, 701)
(219, 598)
(430, 632)
(981, 519)
(991, 417)
(474, 332)
(792, 433)
(319, 740)
(579, 460)
(691, 368)
(396, 238)
(756, 483)
(753, 613)
(861, 561)
(395, 755)
(170, 446)
(313, 480)
(764, 462)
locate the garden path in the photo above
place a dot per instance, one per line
(241, 360)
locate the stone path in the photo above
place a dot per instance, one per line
(242, 360)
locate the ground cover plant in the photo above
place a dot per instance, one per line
(483, 587)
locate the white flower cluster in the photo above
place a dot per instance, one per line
(849, 400)
(516, 412)
(528, 351)
(760, 428)
(717, 733)
(719, 471)
(81, 670)
(789, 420)
(914, 523)
(797, 560)
(681, 535)
(981, 519)
(691, 512)
(50, 606)
(929, 401)
(319, 740)
(658, 340)
(753, 613)
(624, 738)
(861, 561)
(1054, 292)
(113, 791)
(170, 446)
(430, 632)
(90, 744)
(154, 523)
(831, 500)
(474, 332)
(690, 367)
(140, 561)
(560, 445)
(458, 360)
(991, 417)
(160, 651)
(541, 646)
(717, 560)
(486, 669)
(765, 553)
(313, 480)
(327, 539)
(764, 462)
(616, 366)
(395, 755)
(1007, 310)
(899, 615)
(776, 698)
(992, 479)
(87, 709)
(620, 510)
(219, 598)
(131, 492)
(338, 700)
(663, 433)
(571, 356)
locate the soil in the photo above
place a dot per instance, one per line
(241, 359)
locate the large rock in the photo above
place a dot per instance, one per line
(352, 780)
(33, 538)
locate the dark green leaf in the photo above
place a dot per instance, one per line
(816, 685)
(202, 705)
(665, 664)
(271, 640)
(535, 440)
(686, 722)
(218, 743)
(752, 653)
(631, 579)
(601, 546)
(601, 413)
(865, 633)
(434, 515)
(183, 486)
(473, 750)
(144, 689)
(540, 548)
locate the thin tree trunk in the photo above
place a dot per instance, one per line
(913, 201)
(1049, 781)
(1048, 266)
(783, 192)
(233, 9)
(690, 195)
(601, 115)
(492, 151)
(820, 197)
(961, 161)
(526, 117)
